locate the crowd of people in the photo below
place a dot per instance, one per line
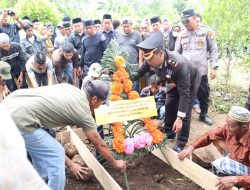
(171, 61)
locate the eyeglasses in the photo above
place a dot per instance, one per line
(144, 28)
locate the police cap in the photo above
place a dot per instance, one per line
(151, 44)
(186, 14)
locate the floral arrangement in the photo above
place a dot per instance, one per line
(144, 132)
(134, 137)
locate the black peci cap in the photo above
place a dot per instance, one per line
(26, 18)
(40, 57)
(155, 19)
(88, 22)
(76, 20)
(35, 20)
(66, 18)
(66, 24)
(97, 21)
(107, 16)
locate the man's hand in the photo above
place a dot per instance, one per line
(177, 125)
(77, 170)
(187, 152)
(79, 71)
(120, 165)
(213, 74)
(226, 182)
(20, 79)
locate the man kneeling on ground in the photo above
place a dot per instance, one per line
(52, 106)
(232, 140)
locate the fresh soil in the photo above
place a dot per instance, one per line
(149, 172)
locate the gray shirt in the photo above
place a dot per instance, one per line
(59, 41)
(49, 107)
(128, 44)
(195, 47)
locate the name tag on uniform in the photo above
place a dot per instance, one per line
(200, 41)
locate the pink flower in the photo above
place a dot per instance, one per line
(129, 146)
(148, 139)
(139, 142)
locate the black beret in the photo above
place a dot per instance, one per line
(35, 20)
(89, 22)
(186, 14)
(155, 19)
(97, 21)
(107, 16)
(151, 44)
(76, 20)
(66, 24)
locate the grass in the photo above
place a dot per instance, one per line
(219, 105)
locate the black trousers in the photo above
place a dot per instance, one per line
(203, 94)
(171, 109)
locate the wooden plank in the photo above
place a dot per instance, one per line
(199, 175)
(101, 174)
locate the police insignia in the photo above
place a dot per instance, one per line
(172, 62)
(211, 35)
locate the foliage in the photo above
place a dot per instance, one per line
(239, 97)
(108, 58)
(44, 10)
(231, 20)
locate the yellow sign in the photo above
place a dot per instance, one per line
(125, 110)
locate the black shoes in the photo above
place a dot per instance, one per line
(206, 119)
(171, 136)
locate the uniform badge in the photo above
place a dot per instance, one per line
(199, 41)
(172, 62)
(211, 35)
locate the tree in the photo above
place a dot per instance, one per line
(44, 10)
(230, 18)
(7, 3)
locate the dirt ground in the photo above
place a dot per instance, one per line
(150, 173)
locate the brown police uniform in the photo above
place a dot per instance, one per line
(182, 79)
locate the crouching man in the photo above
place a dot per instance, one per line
(40, 70)
(232, 140)
(52, 106)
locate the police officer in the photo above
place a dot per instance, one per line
(195, 42)
(182, 79)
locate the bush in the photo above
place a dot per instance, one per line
(44, 10)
